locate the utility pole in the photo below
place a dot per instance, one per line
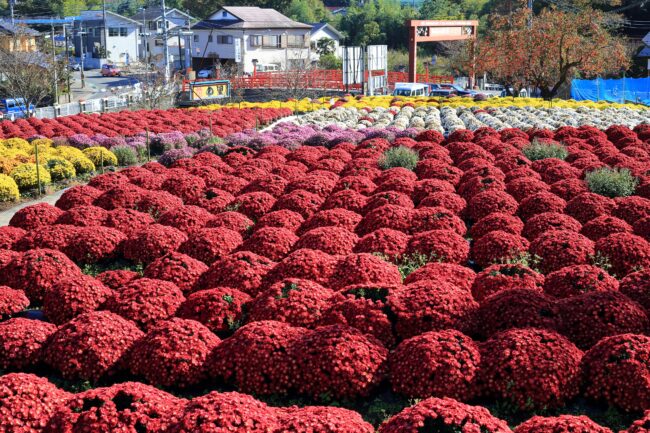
(530, 13)
(11, 8)
(165, 41)
(105, 29)
(55, 66)
(81, 55)
(67, 61)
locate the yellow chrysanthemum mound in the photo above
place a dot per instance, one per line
(26, 176)
(100, 156)
(8, 189)
(60, 168)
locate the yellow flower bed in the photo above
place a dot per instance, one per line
(18, 164)
(307, 105)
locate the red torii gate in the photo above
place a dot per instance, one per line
(436, 31)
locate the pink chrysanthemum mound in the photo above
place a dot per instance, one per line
(512, 357)
(91, 345)
(173, 353)
(228, 411)
(21, 341)
(561, 424)
(146, 301)
(444, 414)
(129, 407)
(444, 363)
(616, 370)
(27, 402)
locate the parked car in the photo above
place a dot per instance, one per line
(74, 66)
(410, 89)
(15, 108)
(109, 70)
(205, 73)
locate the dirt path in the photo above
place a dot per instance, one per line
(5, 216)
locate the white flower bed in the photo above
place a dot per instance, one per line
(449, 119)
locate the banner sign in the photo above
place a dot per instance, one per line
(207, 90)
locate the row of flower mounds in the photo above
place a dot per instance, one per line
(262, 273)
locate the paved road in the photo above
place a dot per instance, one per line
(96, 85)
(5, 216)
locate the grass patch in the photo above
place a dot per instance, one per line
(611, 182)
(399, 157)
(537, 150)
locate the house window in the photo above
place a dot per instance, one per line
(255, 40)
(97, 31)
(195, 38)
(224, 40)
(124, 32)
(272, 41)
(158, 43)
(224, 14)
(113, 31)
(153, 25)
(209, 38)
(295, 41)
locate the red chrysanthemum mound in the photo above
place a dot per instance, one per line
(285, 219)
(9, 236)
(78, 196)
(511, 358)
(387, 242)
(303, 202)
(347, 199)
(12, 301)
(546, 222)
(338, 361)
(37, 270)
(128, 407)
(307, 264)
(368, 269)
(632, 208)
(123, 196)
(604, 226)
(321, 419)
(242, 271)
(439, 245)
(232, 220)
(430, 305)
(540, 203)
(257, 358)
(186, 218)
(444, 414)
(561, 424)
(617, 370)
(487, 202)
(146, 301)
(84, 216)
(35, 216)
(271, 242)
(331, 218)
(146, 245)
(456, 275)
(71, 296)
(332, 240)
(496, 222)
(294, 301)
(438, 364)
(173, 353)
(515, 308)
(363, 308)
(94, 244)
(211, 244)
(637, 287)
(588, 206)
(560, 248)
(91, 346)
(117, 279)
(128, 221)
(497, 278)
(575, 280)
(625, 253)
(177, 268)
(21, 341)
(56, 237)
(389, 197)
(498, 246)
(226, 412)
(592, 316)
(388, 216)
(641, 425)
(219, 309)
(27, 402)
(253, 204)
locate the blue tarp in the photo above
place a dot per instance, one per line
(614, 90)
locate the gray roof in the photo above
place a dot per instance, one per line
(317, 26)
(252, 17)
(155, 12)
(11, 29)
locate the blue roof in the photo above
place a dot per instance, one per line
(317, 26)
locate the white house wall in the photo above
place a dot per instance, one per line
(119, 47)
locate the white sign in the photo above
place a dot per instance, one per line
(352, 65)
(237, 42)
(377, 57)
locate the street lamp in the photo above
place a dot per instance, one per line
(81, 57)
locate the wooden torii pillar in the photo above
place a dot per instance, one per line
(437, 31)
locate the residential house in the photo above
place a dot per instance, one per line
(248, 35)
(151, 43)
(321, 31)
(116, 43)
(17, 37)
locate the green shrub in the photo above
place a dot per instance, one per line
(25, 176)
(60, 168)
(536, 151)
(125, 155)
(611, 182)
(8, 189)
(399, 157)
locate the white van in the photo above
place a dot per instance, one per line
(411, 89)
(268, 67)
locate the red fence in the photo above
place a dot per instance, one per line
(318, 79)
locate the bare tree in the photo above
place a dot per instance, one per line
(28, 76)
(156, 93)
(299, 80)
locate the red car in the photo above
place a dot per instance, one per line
(111, 71)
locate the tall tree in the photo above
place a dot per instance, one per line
(547, 50)
(441, 10)
(308, 11)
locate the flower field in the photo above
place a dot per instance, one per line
(471, 271)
